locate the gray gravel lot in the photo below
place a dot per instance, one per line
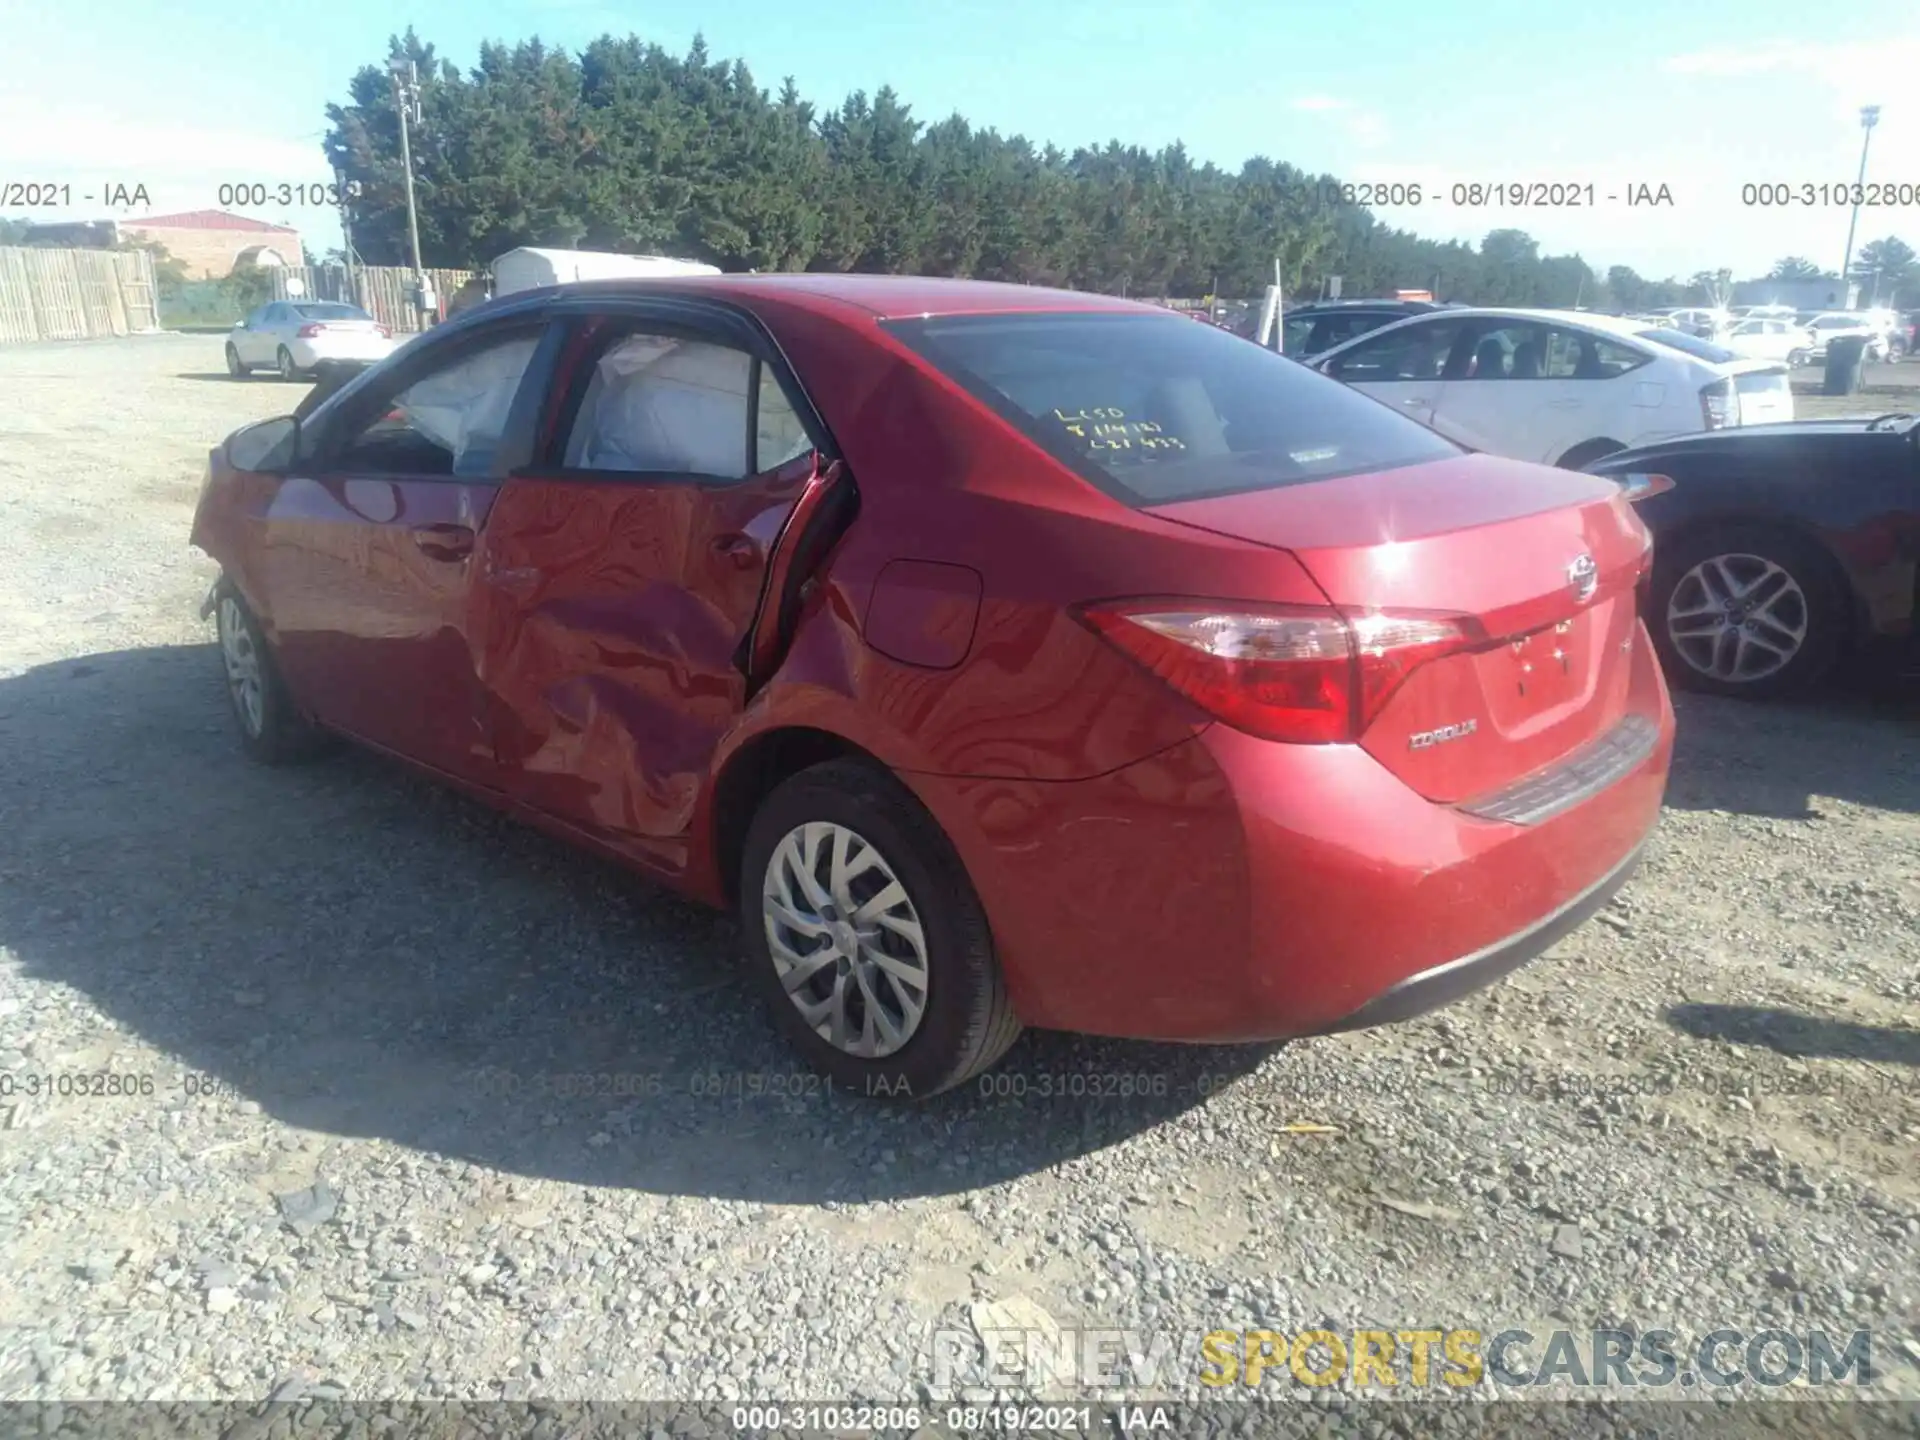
(353, 1011)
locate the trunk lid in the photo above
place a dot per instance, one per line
(1500, 542)
(1764, 392)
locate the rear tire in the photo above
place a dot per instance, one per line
(272, 730)
(899, 999)
(1798, 358)
(284, 360)
(1746, 610)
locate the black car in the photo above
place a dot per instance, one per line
(1312, 329)
(1778, 549)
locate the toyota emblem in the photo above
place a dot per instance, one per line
(1584, 576)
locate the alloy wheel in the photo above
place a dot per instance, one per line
(287, 370)
(242, 661)
(1737, 618)
(846, 941)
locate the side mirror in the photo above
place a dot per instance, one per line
(267, 448)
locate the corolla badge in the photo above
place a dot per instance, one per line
(1427, 739)
(1584, 576)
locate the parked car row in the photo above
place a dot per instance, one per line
(1781, 547)
(1557, 387)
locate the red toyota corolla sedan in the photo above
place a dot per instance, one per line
(1006, 656)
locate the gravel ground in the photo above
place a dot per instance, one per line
(349, 1011)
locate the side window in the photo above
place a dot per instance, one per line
(778, 434)
(661, 404)
(448, 422)
(1509, 352)
(1563, 354)
(1414, 352)
(1611, 358)
(1295, 330)
(1342, 328)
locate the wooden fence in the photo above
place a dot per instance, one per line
(381, 290)
(75, 294)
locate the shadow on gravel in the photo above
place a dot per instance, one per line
(1858, 740)
(1788, 1032)
(367, 954)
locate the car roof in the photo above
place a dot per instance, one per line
(885, 297)
(1592, 320)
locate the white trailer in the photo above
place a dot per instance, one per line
(529, 268)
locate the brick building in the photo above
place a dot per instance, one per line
(210, 243)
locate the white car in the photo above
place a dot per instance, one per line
(1705, 322)
(1825, 328)
(1558, 387)
(1763, 338)
(294, 336)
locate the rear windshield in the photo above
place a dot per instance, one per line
(330, 310)
(1692, 344)
(1154, 409)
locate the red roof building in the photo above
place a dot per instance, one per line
(210, 243)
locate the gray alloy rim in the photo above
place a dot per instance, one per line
(243, 667)
(845, 939)
(1737, 618)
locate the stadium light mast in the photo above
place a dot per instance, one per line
(1869, 117)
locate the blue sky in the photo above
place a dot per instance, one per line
(1702, 96)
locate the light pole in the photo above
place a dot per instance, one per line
(406, 104)
(1869, 117)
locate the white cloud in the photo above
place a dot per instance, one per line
(1862, 71)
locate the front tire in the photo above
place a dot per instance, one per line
(866, 937)
(272, 730)
(1746, 610)
(236, 368)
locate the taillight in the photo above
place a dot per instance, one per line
(1639, 487)
(1296, 673)
(385, 333)
(307, 332)
(1717, 405)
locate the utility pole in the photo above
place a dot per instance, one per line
(406, 104)
(1869, 117)
(342, 192)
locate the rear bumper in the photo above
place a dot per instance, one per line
(1229, 889)
(309, 353)
(1443, 984)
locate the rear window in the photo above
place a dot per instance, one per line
(1152, 410)
(1691, 344)
(329, 310)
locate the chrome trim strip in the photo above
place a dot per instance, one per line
(1578, 777)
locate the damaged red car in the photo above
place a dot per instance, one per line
(1005, 656)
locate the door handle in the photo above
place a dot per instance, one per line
(1415, 404)
(740, 549)
(444, 542)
